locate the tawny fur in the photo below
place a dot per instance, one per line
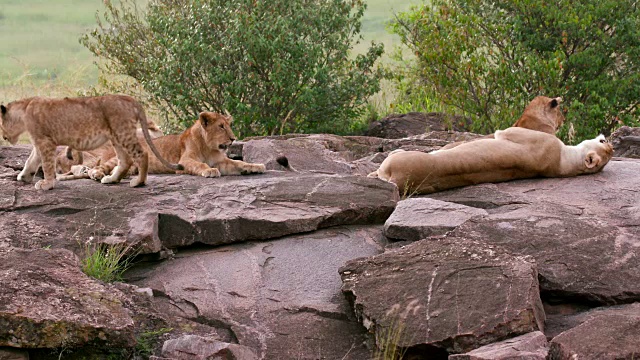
(542, 114)
(514, 153)
(80, 123)
(201, 150)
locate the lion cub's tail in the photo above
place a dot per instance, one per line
(145, 131)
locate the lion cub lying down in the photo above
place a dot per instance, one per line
(201, 150)
(515, 153)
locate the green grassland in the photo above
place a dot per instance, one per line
(40, 51)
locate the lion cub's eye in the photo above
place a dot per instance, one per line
(603, 141)
(221, 126)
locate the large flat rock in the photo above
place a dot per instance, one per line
(280, 298)
(180, 210)
(450, 295)
(531, 346)
(47, 302)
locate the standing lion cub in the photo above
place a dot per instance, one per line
(82, 124)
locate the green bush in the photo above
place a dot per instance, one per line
(277, 66)
(488, 59)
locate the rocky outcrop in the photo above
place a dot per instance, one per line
(449, 294)
(248, 265)
(47, 302)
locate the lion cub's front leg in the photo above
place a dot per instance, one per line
(237, 167)
(197, 168)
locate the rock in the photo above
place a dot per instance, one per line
(47, 302)
(450, 294)
(13, 354)
(191, 347)
(180, 210)
(281, 298)
(420, 217)
(531, 346)
(626, 142)
(398, 126)
(583, 232)
(604, 334)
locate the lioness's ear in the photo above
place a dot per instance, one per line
(4, 109)
(553, 103)
(204, 120)
(591, 160)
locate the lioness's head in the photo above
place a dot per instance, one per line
(597, 153)
(11, 123)
(217, 127)
(542, 114)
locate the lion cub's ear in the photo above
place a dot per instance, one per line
(592, 160)
(555, 102)
(204, 119)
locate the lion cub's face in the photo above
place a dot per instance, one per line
(597, 152)
(218, 133)
(11, 123)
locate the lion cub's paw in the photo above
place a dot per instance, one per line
(212, 172)
(136, 182)
(253, 169)
(96, 174)
(25, 177)
(109, 180)
(45, 185)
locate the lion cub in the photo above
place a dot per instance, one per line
(201, 149)
(82, 124)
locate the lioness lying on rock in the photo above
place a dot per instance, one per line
(201, 150)
(515, 153)
(542, 114)
(82, 123)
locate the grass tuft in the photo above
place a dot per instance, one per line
(106, 262)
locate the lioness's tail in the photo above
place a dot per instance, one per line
(142, 117)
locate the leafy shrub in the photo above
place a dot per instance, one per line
(277, 66)
(489, 59)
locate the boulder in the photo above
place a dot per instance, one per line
(396, 126)
(626, 142)
(603, 334)
(420, 217)
(448, 294)
(531, 346)
(281, 298)
(47, 302)
(192, 347)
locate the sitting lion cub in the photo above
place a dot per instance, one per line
(201, 150)
(83, 124)
(515, 153)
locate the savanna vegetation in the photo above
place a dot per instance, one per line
(316, 69)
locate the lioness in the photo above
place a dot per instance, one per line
(542, 114)
(201, 149)
(83, 124)
(515, 153)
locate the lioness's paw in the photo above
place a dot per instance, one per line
(96, 174)
(25, 177)
(213, 172)
(45, 185)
